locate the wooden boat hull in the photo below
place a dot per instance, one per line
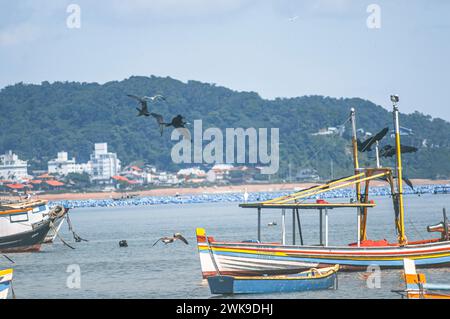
(6, 277)
(238, 258)
(29, 241)
(305, 281)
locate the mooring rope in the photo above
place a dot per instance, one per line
(12, 261)
(75, 235)
(52, 226)
(13, 293)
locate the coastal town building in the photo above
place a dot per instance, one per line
(103, 164)
(219, 172)
(62, 165)
(12, 168)
(340, 130)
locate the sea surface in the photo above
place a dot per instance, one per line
(173, 271)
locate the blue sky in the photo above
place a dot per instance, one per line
(281, 48)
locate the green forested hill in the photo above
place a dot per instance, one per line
(37, 121)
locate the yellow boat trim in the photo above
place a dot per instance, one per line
(6, 272)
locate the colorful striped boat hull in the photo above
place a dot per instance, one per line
(6, 277)
(242, 258)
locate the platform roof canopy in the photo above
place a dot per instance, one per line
(325, 205)
(298, 199)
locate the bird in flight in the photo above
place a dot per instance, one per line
(157, 97)
(143, 111)
(390, 151)
(178, 123)
(169, 240)
(292, 19)
(366, 146)
(160, 120)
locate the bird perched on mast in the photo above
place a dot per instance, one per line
(169, 240)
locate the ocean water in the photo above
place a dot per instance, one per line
(173, 271)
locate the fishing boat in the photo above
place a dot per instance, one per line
(6, 277)
(25, 224)
(313, 279)
(256, 257)
(417, 286)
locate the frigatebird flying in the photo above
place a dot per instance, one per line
(390, 151)
(159, 118)
(366, 146)
(179, 123)
(143, 111)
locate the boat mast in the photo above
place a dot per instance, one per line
(356, 165)
(355, 152)
(401, 218)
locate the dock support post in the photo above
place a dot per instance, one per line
(358, 219)
(321, 226)
(326, 227)
(299, 226)
(259, 224)
(283, 226)
(293, 226)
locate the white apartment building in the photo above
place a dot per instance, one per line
(62, 165)
(12, 168)
(103, 164)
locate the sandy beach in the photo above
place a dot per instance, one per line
(212, 190)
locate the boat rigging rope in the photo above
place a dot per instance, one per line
(13, 293)
(52, 226)
(12, 261)
(415, 229)
(75, 235)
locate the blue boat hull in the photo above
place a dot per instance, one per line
(234, 285)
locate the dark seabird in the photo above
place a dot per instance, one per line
(179, 123)
(366, 146)
(159, 118)
(143, 111)
(169, 240)
(390, 151)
